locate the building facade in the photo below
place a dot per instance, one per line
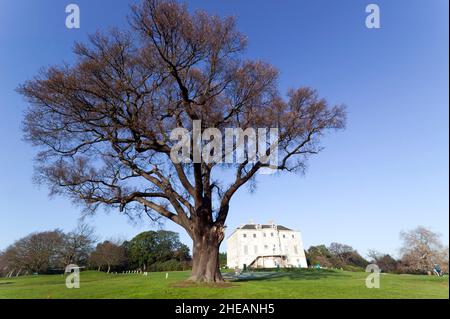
(265, 246)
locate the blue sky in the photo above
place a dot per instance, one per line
(386, 173)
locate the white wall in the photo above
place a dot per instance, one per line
(245, 245)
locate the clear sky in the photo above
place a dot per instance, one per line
(386, 173)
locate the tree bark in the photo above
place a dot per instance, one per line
(205, 263)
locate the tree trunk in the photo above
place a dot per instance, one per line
(205, 263)
(109, 268)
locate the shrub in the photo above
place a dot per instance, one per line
(170, 265)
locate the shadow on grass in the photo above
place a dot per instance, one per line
(6, 283)
(312, 274)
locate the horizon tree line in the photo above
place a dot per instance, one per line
(51, 251)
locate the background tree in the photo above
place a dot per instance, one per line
(108, 254)
(346, 255)
(422, 249)
(3, 264)
(151, 247)
(78, 245)
(35, 253)
(443, 260)
(373, 255)
(49, 251)
(384, 261)
(103, 124)
(340, 251)
(182, 253)
(336, 256)
(222, 260)
(319, 255)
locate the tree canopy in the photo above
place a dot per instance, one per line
(150, 247)
(103, 124)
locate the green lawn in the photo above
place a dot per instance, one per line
(300, 284)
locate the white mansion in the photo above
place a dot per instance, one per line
(265, 246)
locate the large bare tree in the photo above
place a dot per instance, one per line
(422, 249)
(103, 124)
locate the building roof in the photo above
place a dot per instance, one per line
(254, 226)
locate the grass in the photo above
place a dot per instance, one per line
(301, 284)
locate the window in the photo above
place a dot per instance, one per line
(296, 249)
(271, 234)
(264, 234)
(284, 236)
(254, 235)
(245, 235)
(245, 250)
(293, 236)
(256, 250)
(266, 247)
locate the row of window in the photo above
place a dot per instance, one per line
(265, 235)
(266, 248)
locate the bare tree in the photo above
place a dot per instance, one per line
(103, 125)
(108, 254)
(422, 249)
(9, 261)
(384, 261)
(338, 249)
(38, 252)
(443, 259)
(78, 244)
(374, 255)
(341, 251)
(3, 264)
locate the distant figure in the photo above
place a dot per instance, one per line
(437, 270)
(237, 271)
